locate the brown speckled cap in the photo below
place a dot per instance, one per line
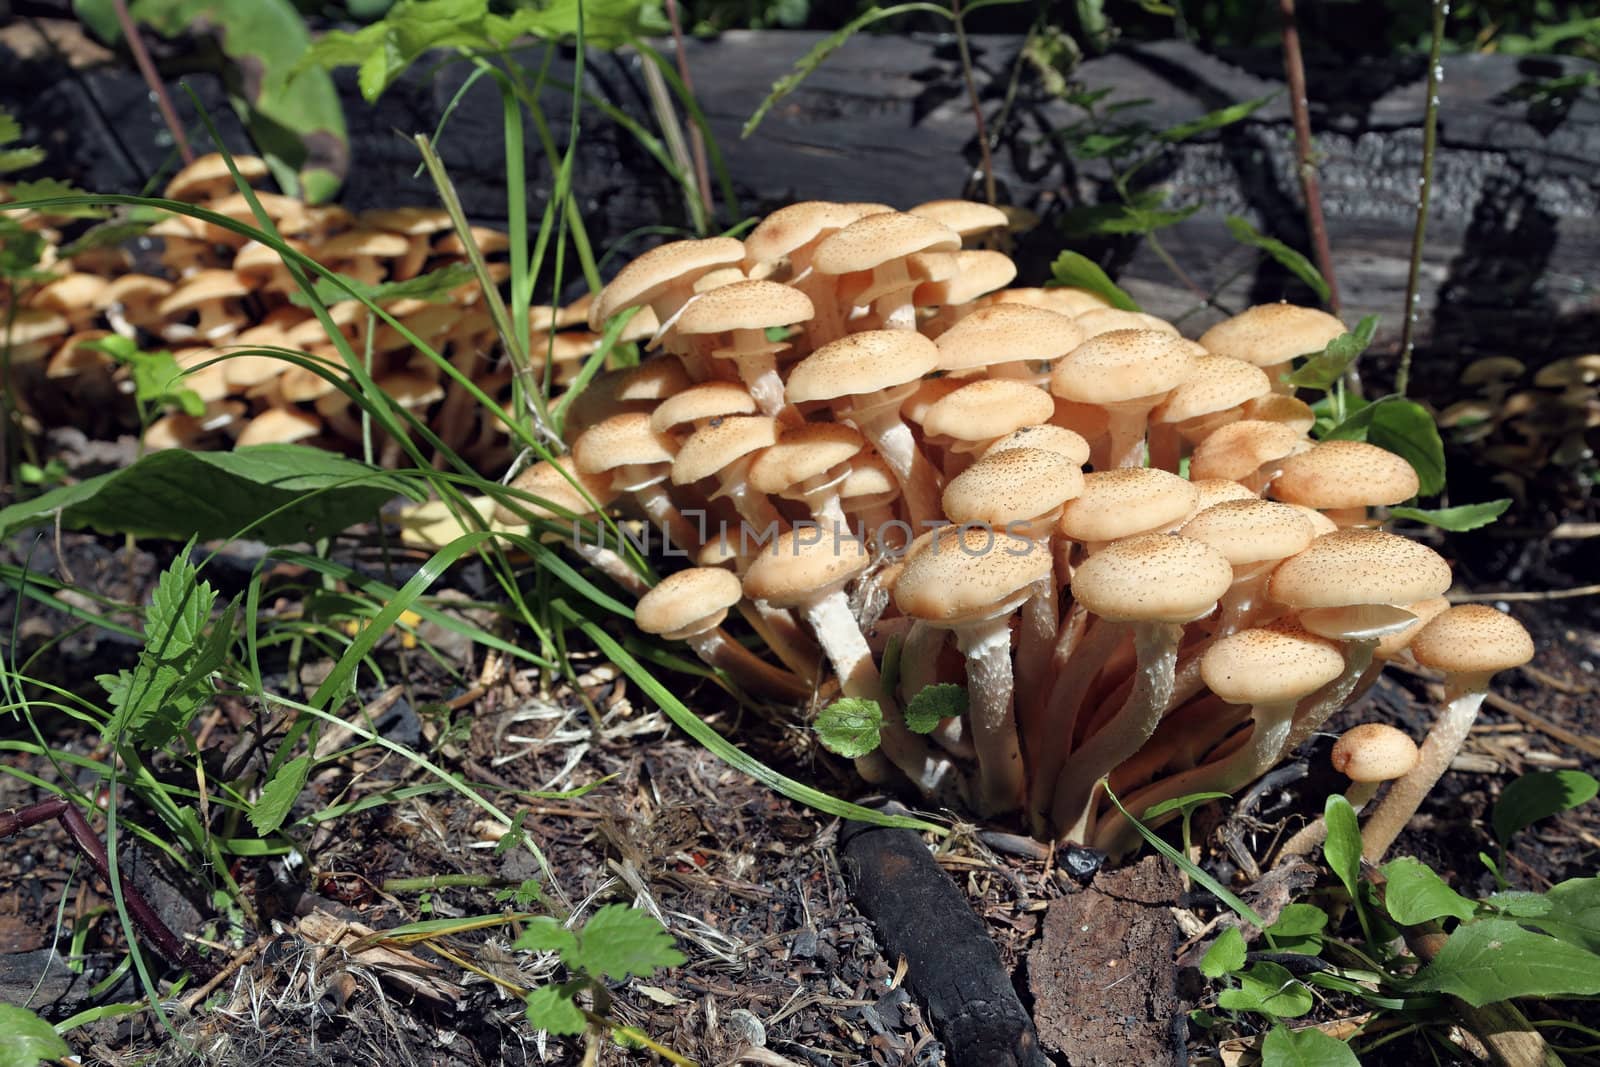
(987, 408)
(1374, 752)
(1014, 485)
(1351, 567)
(1007, 333)
(1152, 578)
(1216, 383)
(1472, 639)
(804, 565)
(1345, 474)
(1268, 334)
(688, 602)
(1270, 665)
(660, 268)
(874, 240)
(861, 363)
(1121, 503)
(968, 573)
(1122, 365)
(1251, 531)
(716, 445)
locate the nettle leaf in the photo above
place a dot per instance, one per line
(1268, 989)
(1215, 120)
(1457, 519)
(622, 942)
(279, 795)
(1299, 929)
(1080, 272)
(546, 934)
(1574, 914)
(179, 609)
(1225, 955)
(1283, 1047)
(1495, 959)
(1324, 368)
(1416, 894)
(1295, 263)
(849, 727)
(1138, 221)
(107, 234)
(29, 1040)
(551, 1008)
(1407, 429)
(1342, 849)
(934, 704)
(1537, 795)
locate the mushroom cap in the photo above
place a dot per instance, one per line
(1097, 321)
(861, 363)
(715, 446)
(708, 400)
(968, 573)
(1121, 503)
(1353, 567)
(74, 356)
(966, 217)
(363, 243)
(1268, 334)
(28, 325)
(804, 565)
(1122, 365)
(489, 241)
(873, 240)
(1251, 531)
(554, 484)
(655, 379)
(803, 453)
(688, 602)
(745, 305)
(621, 441)
(977, 272)
(1270, 664)
(1391, 645)
(410, 389)
(1472, 639)
(209, 173)
(199, 288)
(659, 268)
(1345, 474)
(134, 288)
(1281, 408)
(1012, 486)
(1374, 752)
(1215, 384)
(1152, 578)
(412, 220)
(71, 292)
(1048, 436)
(1007, 333)
(279, 426)
(797, 225)
(870, 481)
(987, 408)
(1213, 491)
(1239, 449)
(1066, 299)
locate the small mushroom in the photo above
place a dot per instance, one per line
(1369, 755)
(690, 606)
(1271, 336)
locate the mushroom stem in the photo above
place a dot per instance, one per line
(1444, 740)
(987, 646)
(1321, 705)
(919, 668)
(717, 649)
(1036, 637)
(1315, 832)
(919, 482)
(1125, 429)
(1048, 748)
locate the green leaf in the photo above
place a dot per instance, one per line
(1495, 959)
(1268, 989)
(1537, 795)
(20, 159)
(546, 934)
(1079, 271)
(849, 726)
(436, 287)
(1292, 261)
(934, 704)
(1283, 1047)
(291, 493)
(1324, 368)
(1574, 914)
(1416, 894)
(10, 128)
(1122, 219)
(551, 1008)
(27, 1040)
(45, 188)
(157, 379)
(1299, 929)
(1216, 120)
(1342, 849)
(279, 795)
(1225, 955)
(1185, 864)
(1520, 904)
(1457, 519)
(1188, 801)
(622, 942)
(106, 234)
(1405, 428)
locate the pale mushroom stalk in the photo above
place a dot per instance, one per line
(919, 668)
(987, 647)
(1050, 742)
(1036, 638)
(1125, 431)
(716, 649)
(919, 482)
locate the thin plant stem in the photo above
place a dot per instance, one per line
(1310, 184)
(677, 147)
(697, 141)
(147, 70)
(1430, 139)
(985, 157)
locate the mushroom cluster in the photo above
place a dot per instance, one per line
(211, 297)
(1122, 543)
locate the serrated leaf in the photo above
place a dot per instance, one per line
(179, 608)
(1495, 959)
(44, 188)
(278, 796)
(621, 942)
(1292, 261)
(1416, 894)
(1283, 1047)
(1405, 428)
(1342, 849)
(1537, 795)
(1079, 271)
(934, 704)
(1574, 914)
(546, 934)
(1458, 519)
(27, 1040)
(13, 159)
(849, 727)
(1225, 955)
(551, 1008)
(1215, 120)
(1268, 989)
(1324, 368)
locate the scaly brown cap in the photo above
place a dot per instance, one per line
(965, 573)
(1152, 578)
(1268, 334)
(1352, 567)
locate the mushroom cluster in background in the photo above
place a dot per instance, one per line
(901, 473)
(211, 297)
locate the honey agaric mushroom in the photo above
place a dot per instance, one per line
(870, 256)
(1281, 408)
(363, 254)
(968, 218)
(28, 334)
(1009, 341)
(1249, 452)
(1152, 585)
(1369, 755)
(690, 606)
(1051, 438)
(663, 279)
(1342, 479)
(1469, 644)
(977, 273)
(1255, 536)
(212, 296)
(809, 463)
(724, 450)
(971, 580)
(1212, 396)
(974, 415)
(132, 302)
(1124, 503)
(279, 426)
(866, 376)
(418, 224)
(75, 297)
(790, 236)
(699, 405)
(1065, 299)
(744, 311)
(1271, 336)
(1097, 321)
(208, 177)
(1126, 372)
(639, 460)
